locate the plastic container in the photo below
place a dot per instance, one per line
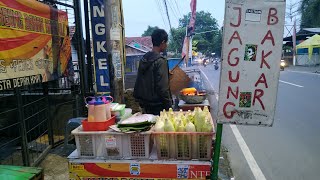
(91, 111)
(118, 110)
(98, 126)
(183, 145)
(99, 111)
(112, 145)
(90, 105)
(108, 105)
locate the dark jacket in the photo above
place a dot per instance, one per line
(152, 84)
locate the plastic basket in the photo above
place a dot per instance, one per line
(183, 145)
(139, 145)
(112, 145)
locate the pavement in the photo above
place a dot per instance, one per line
(55, 165)
(311, 69)
(289, 149)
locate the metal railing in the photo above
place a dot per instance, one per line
(33, 119)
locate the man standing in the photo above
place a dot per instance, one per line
(152, 89)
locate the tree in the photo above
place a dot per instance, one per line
(208, 42)
(176, 39)
(149, 31)
(310, 13)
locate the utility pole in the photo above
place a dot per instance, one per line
(115, 47)
(292, 12)
(294, 42)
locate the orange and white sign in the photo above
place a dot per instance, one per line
(34, 42)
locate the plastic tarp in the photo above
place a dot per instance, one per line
(313, 42)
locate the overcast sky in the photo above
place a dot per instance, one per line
(138, 14)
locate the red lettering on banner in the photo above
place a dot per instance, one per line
(236, 58)
(235, 95)
(258, 93)
(272, 18)
(235, 35)
(232, 79)
(262, 79)
(263, 59)
(225, 113)
(239, 17)
(268, 36)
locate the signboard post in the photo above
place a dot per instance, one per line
(252, 45)
(253, 33)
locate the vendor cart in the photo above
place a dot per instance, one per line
(143, 155)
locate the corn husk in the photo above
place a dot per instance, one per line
(199, 119)
(181, 127)
(168, 126)
(159, 127)
(190, 126)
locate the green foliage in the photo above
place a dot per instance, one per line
(310, 13)
(149, 31)
(206, 42)
(176, 39)
(195, 45)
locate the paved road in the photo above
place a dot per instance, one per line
(290, 150)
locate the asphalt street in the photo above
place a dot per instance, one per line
(290, 149)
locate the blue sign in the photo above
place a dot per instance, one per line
(99, 38)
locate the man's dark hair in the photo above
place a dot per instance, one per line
(158, 36)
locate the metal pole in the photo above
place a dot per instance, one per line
(191, 37)
(187, 51)
(123, 45)
(50, 118)
(216, 155)
(88, 44)
(23, 131)
(81, 51)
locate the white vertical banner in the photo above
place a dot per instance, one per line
(252, 46)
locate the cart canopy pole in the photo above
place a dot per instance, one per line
(216, 155)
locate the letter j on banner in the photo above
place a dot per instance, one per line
(99, 46)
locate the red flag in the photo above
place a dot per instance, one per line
(193, 6)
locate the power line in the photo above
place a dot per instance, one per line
(165, 4)
(178, 8)
(173, 10)
(160, 10)
(204, 32)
